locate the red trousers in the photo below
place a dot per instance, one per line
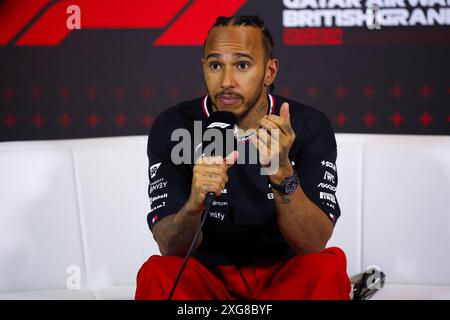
(312, 276)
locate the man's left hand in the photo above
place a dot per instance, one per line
(273, 143)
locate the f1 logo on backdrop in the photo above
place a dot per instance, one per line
(44, 22)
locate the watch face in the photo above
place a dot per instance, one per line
(291, 184)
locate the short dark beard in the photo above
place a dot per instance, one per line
(251, 103)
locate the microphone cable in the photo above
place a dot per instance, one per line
(208, 201)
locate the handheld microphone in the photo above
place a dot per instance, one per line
(218, 140)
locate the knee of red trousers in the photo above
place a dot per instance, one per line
(151, 272)
(328, 272)
(334, 259)
(340, 260)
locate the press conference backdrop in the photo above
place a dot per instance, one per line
(373, 66)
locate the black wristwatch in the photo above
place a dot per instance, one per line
(288, 185)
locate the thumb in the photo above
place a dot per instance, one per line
(284, 111)
(231, 158)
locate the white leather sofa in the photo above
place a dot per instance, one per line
(81, 205)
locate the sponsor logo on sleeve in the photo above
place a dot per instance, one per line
(159, 184)
(154, 169)
(326, 186)
(329, 177)
(328, 197)
(332, 216)
(329, 204)
(328, 164)
(163, 204)
(159, 197)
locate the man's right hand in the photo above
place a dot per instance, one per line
(209, 175)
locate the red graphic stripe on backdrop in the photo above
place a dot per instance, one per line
(312, 36)
(193, 25)
(15, 14)
(51, 28)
